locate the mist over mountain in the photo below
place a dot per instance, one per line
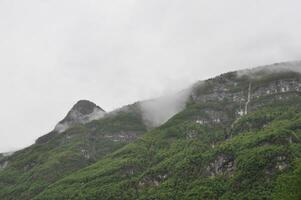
(113, 53)
(293, 66)
(82, 112)
(157, 111)
(234, 136)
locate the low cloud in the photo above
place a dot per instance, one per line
(258, 72)
(157, 111)
(76, 117)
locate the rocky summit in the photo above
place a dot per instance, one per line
(235, 136)
(82, 112)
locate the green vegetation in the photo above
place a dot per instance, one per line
(31, 170)
(185, 160)
(207, 151)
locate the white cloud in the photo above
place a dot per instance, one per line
(54, 53)
(157, 111)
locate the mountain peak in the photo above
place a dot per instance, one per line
(82, 112)
(85, 107)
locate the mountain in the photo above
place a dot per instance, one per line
(59, 153)
(82, 112)
(235, 136)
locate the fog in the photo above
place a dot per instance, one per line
(117, 52)
(76, 117)
(157, 111)
(258, 72)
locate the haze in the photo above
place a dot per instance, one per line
(116, 52)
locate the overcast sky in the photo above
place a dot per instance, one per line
(115, 52)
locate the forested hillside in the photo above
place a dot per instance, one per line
(238, 137)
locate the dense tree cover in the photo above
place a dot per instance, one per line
(34, 168)
(186, 160)
(207, 151)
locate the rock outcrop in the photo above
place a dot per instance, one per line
(82, 112)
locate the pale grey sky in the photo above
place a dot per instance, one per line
(115, 52)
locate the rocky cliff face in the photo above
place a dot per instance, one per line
(81, 113)
(245, 91)
(216, 137)
(237, 137)
(84, 136)
(4, 159)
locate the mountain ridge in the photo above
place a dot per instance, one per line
(211, 150)
(119, 157)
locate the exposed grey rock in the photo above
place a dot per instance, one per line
(277, 87)
(191, 134)
(4, 159)
(122, 136)
(3, 165)
(223, 164)
(282, 163)
(245, 94)
(82, 112)
(152, 180)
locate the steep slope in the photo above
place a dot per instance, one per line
(237, 138)
(82, 112)
(77, 141)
